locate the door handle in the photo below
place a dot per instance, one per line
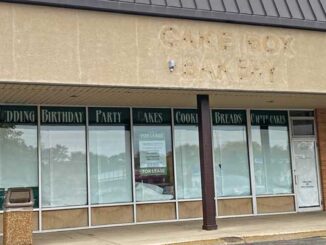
(295, 179)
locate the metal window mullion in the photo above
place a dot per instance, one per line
(214, 172)
(174, 166)
(251, 163)
(155, 202)
(318, 161)
(293, 169)
(88, 171)
(318, 174)
(133, 165)
(39, 168)
(64, 208)
(302, 118)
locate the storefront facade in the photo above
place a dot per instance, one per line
(94, 119)
(103, 166)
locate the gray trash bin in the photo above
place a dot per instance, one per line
(18, 216)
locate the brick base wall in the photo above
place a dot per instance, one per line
(321, 142)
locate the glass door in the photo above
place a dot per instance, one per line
(306, 174)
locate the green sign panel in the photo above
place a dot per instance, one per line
(63, 115)
(109, 116)
(18, 114)
(152, 116)
(185, 117)
(269, 118)
(229, 117)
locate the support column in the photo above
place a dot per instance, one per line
(206, 163)
(320, 115)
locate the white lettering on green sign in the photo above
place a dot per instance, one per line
(268, 119)
(14, 116)
(226, 118)
(153, 171)
(153, 117)
(61, 116)
(108, 116)
(186, 118)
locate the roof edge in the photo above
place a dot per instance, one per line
(175, 12)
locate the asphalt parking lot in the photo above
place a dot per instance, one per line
(305, 241)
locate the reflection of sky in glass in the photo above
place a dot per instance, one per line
(107, 141)
(255, 134)
(68, 136)
(110, 164)
(272, 160)
(186, 135)
(278, 136)
(227, 134)
(231, 161)
(187, 162)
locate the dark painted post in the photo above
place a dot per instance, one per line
(206, 162)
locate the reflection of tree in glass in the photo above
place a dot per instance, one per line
(272, 169)
(59, 153)
(63, 176)
(188, 169)
(232, 168)
(188, 156)
(18, 160)
(113, 166)
(110, 178)
(9, 133)
(16, 156)
(233, 158)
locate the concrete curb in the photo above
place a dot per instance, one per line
(252, 239)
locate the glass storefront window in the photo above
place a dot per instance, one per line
(63, 153)
(110, 161)
(63, 157)
(271, 150)
(18, 149)
(187, 154)
(153, 155)
(231, 162)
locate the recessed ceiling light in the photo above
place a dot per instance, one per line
(73, 96)
(270, 101)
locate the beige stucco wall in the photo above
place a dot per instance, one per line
(53, 45)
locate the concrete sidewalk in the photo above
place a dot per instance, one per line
(231, 231)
